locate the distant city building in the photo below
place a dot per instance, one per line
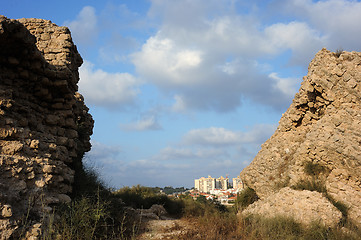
(206, 185)
(237, 183)
(222, 183)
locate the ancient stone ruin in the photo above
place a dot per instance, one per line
(45, 126)
(316, 145)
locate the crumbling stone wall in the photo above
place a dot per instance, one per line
(321, 128)
(45, 126)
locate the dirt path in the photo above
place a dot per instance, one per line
(164, 229)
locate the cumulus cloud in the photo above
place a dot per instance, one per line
(210, 61)
(85, 27)
(299, 37)
(212, 136)
(162, 60)
(221, 137)
(183, 153)
(287, 86)
(146, 123)
(337, 19)
(202, 81)
(114, 90)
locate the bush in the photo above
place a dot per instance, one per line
(143, 198)
(311, 185)
(94, 213)
(210, 220)
(338, 52)
(246, 198)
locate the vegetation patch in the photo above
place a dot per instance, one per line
(257, 227)
(318, 186)
(341, 207)
(144, 197)
(314, 169)
(227, 225)
(246, 198)
(338, 52)
(311, 185)
(98, 213)
(94, 213)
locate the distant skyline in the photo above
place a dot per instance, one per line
(181, 89)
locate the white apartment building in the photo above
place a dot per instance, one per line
(222, 183)
(237, 183)
(207, 184)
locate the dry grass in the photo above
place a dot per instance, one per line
(208, 223)
(256, 228)
(100, 216)
(338, 52)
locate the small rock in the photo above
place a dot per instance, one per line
(6, 211)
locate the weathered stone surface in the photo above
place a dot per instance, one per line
(321, 127)
(45, 127)
(299, 205)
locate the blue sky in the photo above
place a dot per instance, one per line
(181, 89)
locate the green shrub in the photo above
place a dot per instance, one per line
(193, 208)
(210, 220)
(94, 213)
(245, 198)
(78, 220)
(144, 197)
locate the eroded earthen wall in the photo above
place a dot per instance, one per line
(321, 128)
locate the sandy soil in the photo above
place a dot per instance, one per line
(164, 229)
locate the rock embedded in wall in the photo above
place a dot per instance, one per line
(45, 126)
(320, 130)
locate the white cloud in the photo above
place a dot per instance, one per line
(146, 123)
(221, 137)
(85, 28)
(209, 61)
(113, 90)
(339, 20)
(165, 63)
(184, 154)
(212, 136)
(288, 86)
(303, 40)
